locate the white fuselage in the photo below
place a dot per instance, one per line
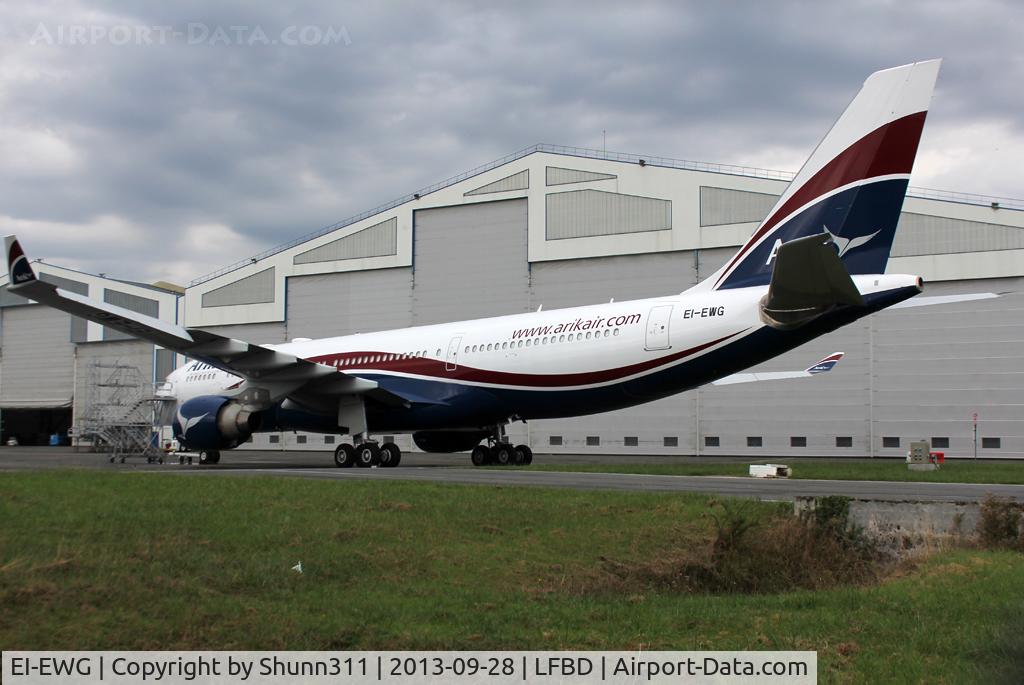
(544, 351)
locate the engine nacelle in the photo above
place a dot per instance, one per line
(211, 422)
(448, 441)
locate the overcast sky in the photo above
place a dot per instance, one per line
(152, 140)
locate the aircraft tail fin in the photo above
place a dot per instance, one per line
(826, 364)
(852, 186)
(19, 270)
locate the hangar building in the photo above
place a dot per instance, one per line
(560, 227)
(557, 227)
(59, 371)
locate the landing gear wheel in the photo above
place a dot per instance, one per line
(502, 454)
(344, 456)
(523, 456)
(390, 455)
(481, 456)
(209, 457)
(368, 454)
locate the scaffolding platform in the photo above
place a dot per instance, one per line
(124, 413)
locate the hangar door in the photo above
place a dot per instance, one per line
(38, 358)
(36, 386)
(470, 261)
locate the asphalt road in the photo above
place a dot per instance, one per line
(449, 469)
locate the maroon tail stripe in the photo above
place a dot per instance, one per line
(889, 149)
(436, 368)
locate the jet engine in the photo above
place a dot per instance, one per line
(448, 441)
(211, 422)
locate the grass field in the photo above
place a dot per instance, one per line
(96, 560)
(960, 471)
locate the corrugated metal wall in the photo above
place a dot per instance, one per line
(923, 234)
(584, 213)
(726, 206)
(470, 261)
(374, 241)
(354, 302)
(936, 366)
(518, 181)
(164, 364)
(253, 289)
(576, 282)
(556, 176)
(78, 326)
(258, 333)
(822, 409)
(38, 358)
(142, 305)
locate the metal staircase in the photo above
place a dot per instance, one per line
(123, 412)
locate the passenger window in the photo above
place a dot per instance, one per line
(527, 343)
(561, 338)
(504, 345)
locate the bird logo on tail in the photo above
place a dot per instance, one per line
(844, 245)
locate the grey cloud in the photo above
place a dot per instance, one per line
(276, 141)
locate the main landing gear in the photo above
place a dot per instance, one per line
(501, 452)
(367, 454)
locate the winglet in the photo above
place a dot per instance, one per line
(18, 268)
(826, 364)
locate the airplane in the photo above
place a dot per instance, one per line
(815, 263)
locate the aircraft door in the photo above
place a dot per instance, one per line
(658, 321)
(451, 361)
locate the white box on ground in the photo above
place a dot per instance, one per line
(769, 471)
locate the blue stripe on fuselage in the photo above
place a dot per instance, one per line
(471, 406)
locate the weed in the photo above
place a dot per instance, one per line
(1000, 524)
(751, 553)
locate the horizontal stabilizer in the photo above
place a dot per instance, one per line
(808, 280)
(823, 366)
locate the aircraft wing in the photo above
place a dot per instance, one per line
(823, 366)
(269, 374)
(942, 299)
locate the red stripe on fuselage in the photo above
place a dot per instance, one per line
(887, 150)
(435, 368)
